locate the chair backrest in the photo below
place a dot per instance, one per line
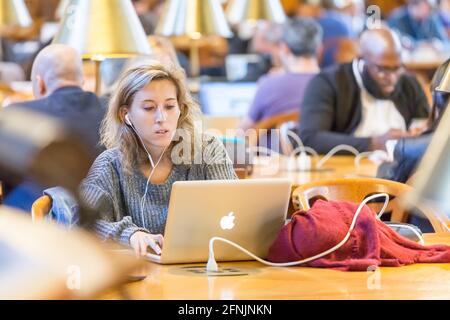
(356, 190)
(41, 208)
(339, 49)
(275, 122)
(221, 124)
(287, 130)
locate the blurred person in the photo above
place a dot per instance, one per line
(265, 41)
(130, 183)
(444, 14)
(148, 12)
(409, 151)
(418, 23)
(339, 20)
(364, 103)
(162, 51)
(57, 77)
(284, 92)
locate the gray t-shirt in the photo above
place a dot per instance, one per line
(117, 193)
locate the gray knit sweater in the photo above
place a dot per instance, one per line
(117, 194)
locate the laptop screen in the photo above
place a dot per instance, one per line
(226, 98)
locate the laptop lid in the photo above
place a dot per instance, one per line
(250, 213)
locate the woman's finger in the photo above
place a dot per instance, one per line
(152, 243)
(160, 240)
(143, 246)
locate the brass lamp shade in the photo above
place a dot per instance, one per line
(101, 29)
(14, 13)
(193, 18)
(239, 11)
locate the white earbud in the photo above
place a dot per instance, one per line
(127, 120)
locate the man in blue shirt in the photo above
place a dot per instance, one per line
(418, 22)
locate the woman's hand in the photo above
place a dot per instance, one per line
(140, 241)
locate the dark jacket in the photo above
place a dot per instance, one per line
(408, 153)
(332, 109)
(81, 111)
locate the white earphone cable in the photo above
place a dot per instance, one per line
(152, 164)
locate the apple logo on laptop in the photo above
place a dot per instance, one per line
(227, 222)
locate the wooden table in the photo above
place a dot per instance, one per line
(335, 167)
(419, 281)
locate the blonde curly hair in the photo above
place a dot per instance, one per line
(116, 134)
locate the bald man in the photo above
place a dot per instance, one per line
(57, 76)
(364, 103)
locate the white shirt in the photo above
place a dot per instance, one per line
(378, 116)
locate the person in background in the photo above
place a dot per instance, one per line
(409, 151)
(283, 92)
(162, 51)
(339, 20)
(364, 103)
(418, 24)
(150, 135)
(148, 12)
(264, 42)
(57, 77)
(444, 14)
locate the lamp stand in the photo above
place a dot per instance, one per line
(98, 77)
(194, 57)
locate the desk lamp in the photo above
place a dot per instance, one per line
(101, 29)
(194, 19)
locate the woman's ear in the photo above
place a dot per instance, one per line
(123, 110)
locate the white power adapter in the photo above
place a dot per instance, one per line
(304, 162)
(299, 163)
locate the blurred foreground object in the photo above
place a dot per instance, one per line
(433, 175)
(52, 263)
(38, 147)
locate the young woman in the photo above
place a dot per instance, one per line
(150, 135)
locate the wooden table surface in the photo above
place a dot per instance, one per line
(419, 281)
(335, 167)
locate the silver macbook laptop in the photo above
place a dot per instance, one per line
(248, 212)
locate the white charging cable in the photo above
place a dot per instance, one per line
(341, 147)
(304, 161)
(212, 266)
